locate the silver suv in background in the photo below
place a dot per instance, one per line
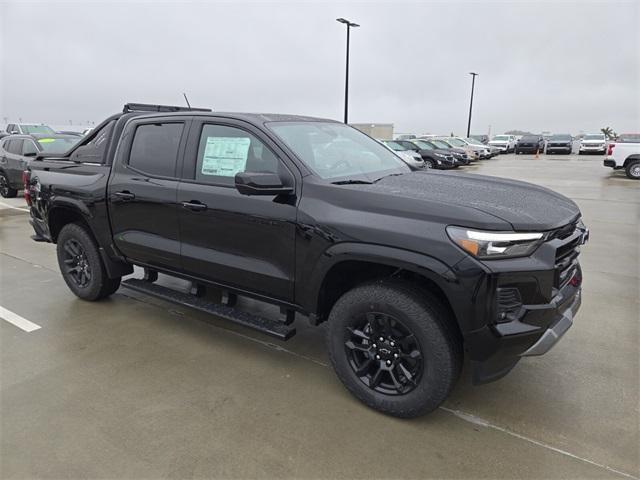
(593, 143)
(506, 143)
(29, 129)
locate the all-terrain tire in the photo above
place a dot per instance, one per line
(76, 250)
(5, 189)
(431, 326)
(633, 170)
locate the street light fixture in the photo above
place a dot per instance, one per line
(473, 82)
(346, 83)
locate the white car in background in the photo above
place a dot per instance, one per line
(506, 143)
(410, 157)
(593, 143)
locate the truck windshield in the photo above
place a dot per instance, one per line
(57, 145)
(334, 150)
(41, 129)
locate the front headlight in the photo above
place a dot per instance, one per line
(440, 155)
(493, 245)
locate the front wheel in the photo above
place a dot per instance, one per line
(5, 187)
(394, 347)
(81, 265)
(633, 170)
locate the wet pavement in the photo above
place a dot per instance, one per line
(135, 387)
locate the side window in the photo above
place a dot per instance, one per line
(10, 128)
(5, 144)
(155, 148)
(29, 147)
(224, 151)
(94, 151)
(15, 146)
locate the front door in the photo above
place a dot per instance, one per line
(246, 242)
(143, 189)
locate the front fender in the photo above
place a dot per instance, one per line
(424, 265)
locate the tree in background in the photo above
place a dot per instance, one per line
(609, 133)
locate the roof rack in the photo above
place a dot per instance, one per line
(146, 107)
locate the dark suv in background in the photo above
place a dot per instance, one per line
(530, 144)
(562, 142)
(17, 151)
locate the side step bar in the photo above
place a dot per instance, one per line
(270, 327)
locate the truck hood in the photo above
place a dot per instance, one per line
(526, 207)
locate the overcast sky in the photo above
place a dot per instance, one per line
(555, 66)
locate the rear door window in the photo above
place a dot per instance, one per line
(28, 147)
(154, 150)
(15, 146)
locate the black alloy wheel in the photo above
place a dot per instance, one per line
(76, 264)
(384, 354)
(5, 188)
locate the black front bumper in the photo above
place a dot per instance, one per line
(538, 329)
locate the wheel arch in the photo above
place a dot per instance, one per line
(631, 158)
(348, 264)
(62, 214)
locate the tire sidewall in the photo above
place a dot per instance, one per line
(439, 368)
(94, 289)
(630, 167)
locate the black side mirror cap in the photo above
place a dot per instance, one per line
(250, 183)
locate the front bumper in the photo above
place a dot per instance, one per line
(593, 149)
(559, 148)
(535, 333)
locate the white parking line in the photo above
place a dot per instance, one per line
(17, 320)
(6, 205)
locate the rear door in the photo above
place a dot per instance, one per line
(246, 242)
(142, 190)
(13, 162)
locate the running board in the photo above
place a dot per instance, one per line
(270, 327)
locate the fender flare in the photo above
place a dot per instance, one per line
(113, 267)
(631, 158)
(424, 265)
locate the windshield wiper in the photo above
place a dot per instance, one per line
(352, 182)
(390, 175)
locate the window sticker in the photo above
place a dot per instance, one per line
(225, 156)
(47, 140)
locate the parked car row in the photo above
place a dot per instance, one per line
(18, 149)
(557, 143)
(442, 153)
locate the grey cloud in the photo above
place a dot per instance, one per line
(553, 66)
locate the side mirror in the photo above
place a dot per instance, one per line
(248, 183)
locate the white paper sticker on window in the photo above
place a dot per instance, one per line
(225, 156)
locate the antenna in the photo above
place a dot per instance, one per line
(186, 99)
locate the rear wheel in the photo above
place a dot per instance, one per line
(81, 266)
(393, 346)
(5, 187)
(633, 170)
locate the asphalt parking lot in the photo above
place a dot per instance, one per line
(135, 387)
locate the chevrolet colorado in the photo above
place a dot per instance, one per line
(411, 270)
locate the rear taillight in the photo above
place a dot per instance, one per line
(610, 149)
(26, 184)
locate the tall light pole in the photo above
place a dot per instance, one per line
(346, 82)
(473, 83)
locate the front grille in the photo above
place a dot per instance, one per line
(567, 254)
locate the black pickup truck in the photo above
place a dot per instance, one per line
(411, 270)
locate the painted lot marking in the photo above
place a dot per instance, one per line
(17, 320)
(6, 205)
